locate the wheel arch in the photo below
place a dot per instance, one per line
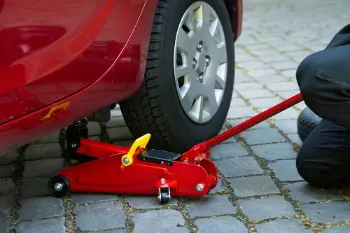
(235, 10)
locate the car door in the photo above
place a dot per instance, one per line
(52, 49)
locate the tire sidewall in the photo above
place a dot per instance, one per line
(169, 96)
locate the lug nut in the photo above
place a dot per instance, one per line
(200, 46)
(200, 78)
(208, 60)
(194, 63)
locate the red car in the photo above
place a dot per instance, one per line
(168, 64)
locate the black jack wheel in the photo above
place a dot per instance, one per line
(164, 196)
(58, 186)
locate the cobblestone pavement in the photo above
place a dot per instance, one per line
(259, 191)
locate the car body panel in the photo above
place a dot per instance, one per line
(58, 48)
(103, 64)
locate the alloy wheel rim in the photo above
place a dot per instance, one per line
(200, 62)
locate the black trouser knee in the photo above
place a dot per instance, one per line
(324, 158)
(324, 80)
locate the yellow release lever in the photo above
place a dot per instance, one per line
(141, 142)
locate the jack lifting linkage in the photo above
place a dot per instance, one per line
(140, 171)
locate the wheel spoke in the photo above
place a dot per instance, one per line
(205, 17)
(197, 109)
(212, 102)
(221, 74)
(184, 42)
(188, 96)
(191, 21)
(214, 28)
(181, 71)
(220, 83)
(220, 53)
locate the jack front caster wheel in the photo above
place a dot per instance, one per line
(58, 186)
(164, 196)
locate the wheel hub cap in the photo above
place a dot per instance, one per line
(200, 62)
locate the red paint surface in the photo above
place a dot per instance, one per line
(89, 52)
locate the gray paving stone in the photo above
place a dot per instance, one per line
(240, 112)
(287, 114)
(100, 216)
(159, 221)
(6, 186)
(33, 187)
(230, 150)
(94, 128)
(238, 102)
(265, 102)
(219, 187)
(42, 168)
(53, 225)
(254, 94)
(50, 138)
(210, 206)
(283, 226)
(259, 73)
(287, 126)
(44, 150)
(287, 94)
(40, 207)
(146, 202)
(345, 229)
(248, 86)
(265, 208)
(289, 73)
(9, 158)
(242, 166)
(85, 198)
(252, 65)
(224, 224)
(7, 204)
(285, 86)
(6, 171)
(253, 186)
(119, 133)
(274, 151)
(284, 65)
(328, 213)
(4, 225)
(115, 122)
(113, 231)
(294, 137)
(285, 170)
(262, 136)
(271, 78)
(304, 193)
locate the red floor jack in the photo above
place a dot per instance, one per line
(137, 170)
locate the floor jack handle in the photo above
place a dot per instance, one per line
(253, 121)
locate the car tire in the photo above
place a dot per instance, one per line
(306, 122)
(156, 108)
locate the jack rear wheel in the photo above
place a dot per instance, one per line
(164, 196)
(58, 186)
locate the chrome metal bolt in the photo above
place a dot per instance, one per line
(162, 181)
(200, 78)
(126, 160)
(58, 187)
(194, 63)
(200, 47)
(207, 61)
(200, 187)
